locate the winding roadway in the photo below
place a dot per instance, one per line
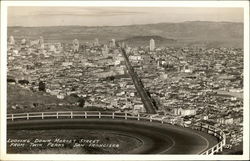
(156, 138)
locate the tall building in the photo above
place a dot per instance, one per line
(123, 45)
(75, 45)
(96, 42)
(41, 42)
(23, 42)
(105, 49)
(52, 48)
(11, 40)
(113, 42)
(152, 45)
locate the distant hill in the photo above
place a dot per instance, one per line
(211, 34)
(142, 40)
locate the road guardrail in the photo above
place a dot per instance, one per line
(218, 133)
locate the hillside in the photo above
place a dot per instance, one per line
(142, 40)
(20, 99)
(212, 34)
(25, 98)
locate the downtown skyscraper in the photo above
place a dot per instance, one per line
(152, 44)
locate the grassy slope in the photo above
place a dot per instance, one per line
(22, 96)
(25, 97)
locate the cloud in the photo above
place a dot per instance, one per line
(115, 16)
(71, 11)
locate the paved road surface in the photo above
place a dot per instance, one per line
(157, 138)
(147, 102)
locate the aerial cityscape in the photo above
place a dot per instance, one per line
(142, 74)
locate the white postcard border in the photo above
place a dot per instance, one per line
(5, 4)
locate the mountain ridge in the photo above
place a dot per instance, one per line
(217, 34)
(135, 24)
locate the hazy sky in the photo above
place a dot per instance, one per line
(115, 16)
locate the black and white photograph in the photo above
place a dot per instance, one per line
(146, 79)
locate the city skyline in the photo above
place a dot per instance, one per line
(112, 16)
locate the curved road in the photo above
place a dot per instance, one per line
(156, 138)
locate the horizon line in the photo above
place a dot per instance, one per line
(129, 24)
